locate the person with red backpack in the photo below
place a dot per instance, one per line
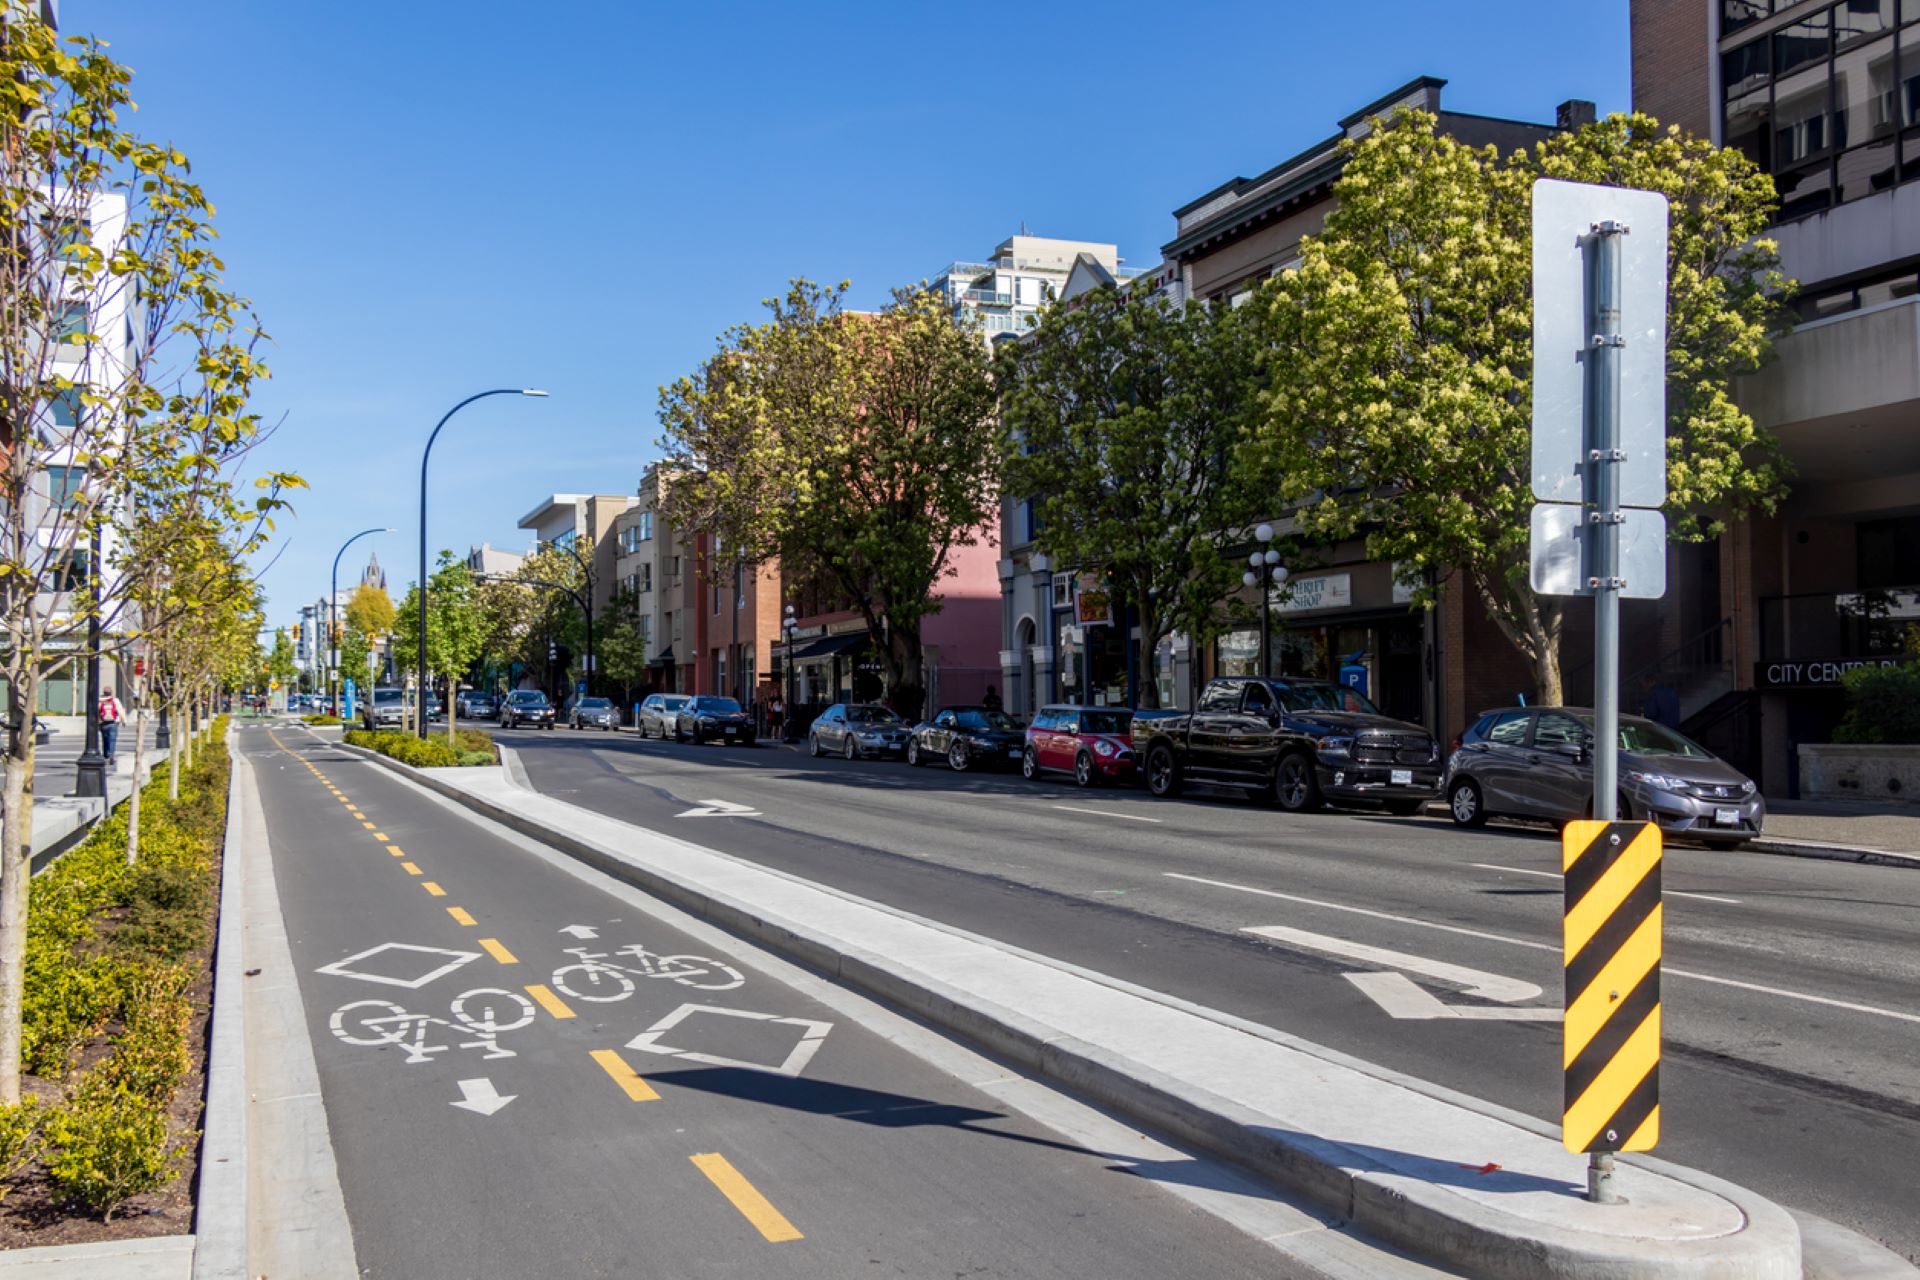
(110, 713)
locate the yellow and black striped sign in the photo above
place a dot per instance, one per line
(1612, 1051)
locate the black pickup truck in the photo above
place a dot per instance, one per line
(1301, 742)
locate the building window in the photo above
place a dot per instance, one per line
(646, 579)
(716, 597)
(646, 629)
(66, 408)
(646, 526)
(70, 322)
(64, 485)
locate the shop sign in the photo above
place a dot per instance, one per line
(1333, 591)
(1812, 673)
(1092, 607)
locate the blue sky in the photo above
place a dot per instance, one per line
(428, 199)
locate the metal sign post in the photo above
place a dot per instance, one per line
(1599, 470)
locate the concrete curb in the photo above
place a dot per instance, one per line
(220, 1202)
(1374, 1197)
(1832, 853)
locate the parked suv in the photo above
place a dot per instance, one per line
(1537, 762)
(1301, 742)
(1091, 743)
(387, 707)
(526, 706)
(660, 714)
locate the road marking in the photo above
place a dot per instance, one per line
(410, 869)
(552, 1003)
(812, 1035)
(355, 812)
(1808, 998)
(480, 1096)
(1103, 813)
(366, 824)
(1485, 986)
(451, 960)
(1555, 875)
(720, 809)
(625, 1076)
(1402, 998)
(753, 1206)
(433, 889)
(493, 948)
(396, 851)
(461, 915)
(579, 930)
(380, 836)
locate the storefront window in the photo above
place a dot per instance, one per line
(1237, 653)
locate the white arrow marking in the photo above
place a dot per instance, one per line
(1486, 986)
(1402, 998)
(480, 1096)
(580, 930)
(720, 809)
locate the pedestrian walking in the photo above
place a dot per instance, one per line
(110, 713)
(992, 701)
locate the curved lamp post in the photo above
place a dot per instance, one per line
(421, 594)
(790, 722)
(333, 618)
(1265, 572)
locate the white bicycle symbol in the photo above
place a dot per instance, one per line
(484, 1013)
(598, 981)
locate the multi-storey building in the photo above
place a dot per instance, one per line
(1025, 273)
(1826, 97)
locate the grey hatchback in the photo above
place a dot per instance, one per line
(1537, 762)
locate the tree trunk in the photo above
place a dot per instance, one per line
(173, 755)
(16, 869)
(451, 741)
(1546, 677)
(133, 799)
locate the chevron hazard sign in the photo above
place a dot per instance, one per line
(1612, 1050)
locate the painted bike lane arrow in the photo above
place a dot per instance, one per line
(720, 809)
(579, 930)
(1400, 997)
(480, 1096)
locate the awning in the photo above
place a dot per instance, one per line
(664, 658)
(828, 646)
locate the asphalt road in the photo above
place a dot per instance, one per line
(525, 1075)
(1791, 1023)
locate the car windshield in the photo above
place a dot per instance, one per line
(719, 706)
(871, 715)
(1324, 697)
(593, 704)
(981, 718)
(675, 703)
(1644, 737)
(530, 698)
(1105, 721)
(386, 695)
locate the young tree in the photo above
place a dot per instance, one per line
(454, 629)
(1125, 420)
(1401, 352)
(859, 448)
(370, 610)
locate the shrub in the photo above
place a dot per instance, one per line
(322, 720)
(107, 1145)
(477, 742)
(19, 1139)
(421, 753)
(1883, 704)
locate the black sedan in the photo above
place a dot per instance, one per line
(710, 719)
(526, 706)
(967, 737)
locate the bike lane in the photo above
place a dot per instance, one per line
(522, 1072)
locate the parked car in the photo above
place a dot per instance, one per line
(660, 714)
(968, 736)
(476, 705)
(386, 707)
(526, 706)
(1537, 762)
(709, 719)
(1091, 743)
(1301, 743)
(598, 712)
(855, 729)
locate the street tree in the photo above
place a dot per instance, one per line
(858, 448)
(1125, 420)
(125, 364)
(281, 666)
(1400, 353)
(454, 629)
(370, 609)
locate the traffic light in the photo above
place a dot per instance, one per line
(296, 633)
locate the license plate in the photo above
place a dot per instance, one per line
(1727, 817)
(1013, 753)
(731, 732)
(1400, 777)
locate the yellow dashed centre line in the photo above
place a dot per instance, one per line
(434, 889)
(625, 1076)
(753, 1206)
(493, 948)
(460, 916)
(552, 1003)
(396, 851)
(380, 836)
(410, 868)
(366, 824)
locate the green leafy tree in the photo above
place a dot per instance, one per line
(617, 647)
(1125, 419)
(859, 449)
(1401, 353)
(454, 629)
(370, 609)
(280, 663)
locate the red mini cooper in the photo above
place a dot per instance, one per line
(1091, 743)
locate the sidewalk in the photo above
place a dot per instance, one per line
(1841, 828)
(1463, 1182)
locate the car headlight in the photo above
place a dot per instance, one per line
(1662, 781)
(1747, 787)
(1103, 748)
(1334, 744)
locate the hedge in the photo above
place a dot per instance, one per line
(113, 952)
(321, 721)
(1883, 704)
(473, 748)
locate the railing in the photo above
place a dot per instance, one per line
(1700, 658)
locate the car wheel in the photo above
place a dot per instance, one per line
(848, 750)
(1083, 770)
(1029, 765)
(1163, 772)
(813, 744)
(1465, 803)
(1295, 789)
(913, 754)
(957, 758)
(1405, 808)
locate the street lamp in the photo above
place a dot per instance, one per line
(1265, 571)
(333, 617)
(421, 591)
(788, 625)
(90, 770)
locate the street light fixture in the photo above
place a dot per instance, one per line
(333, 619)
(1266, 572)
(421, 592)
(788, 625)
